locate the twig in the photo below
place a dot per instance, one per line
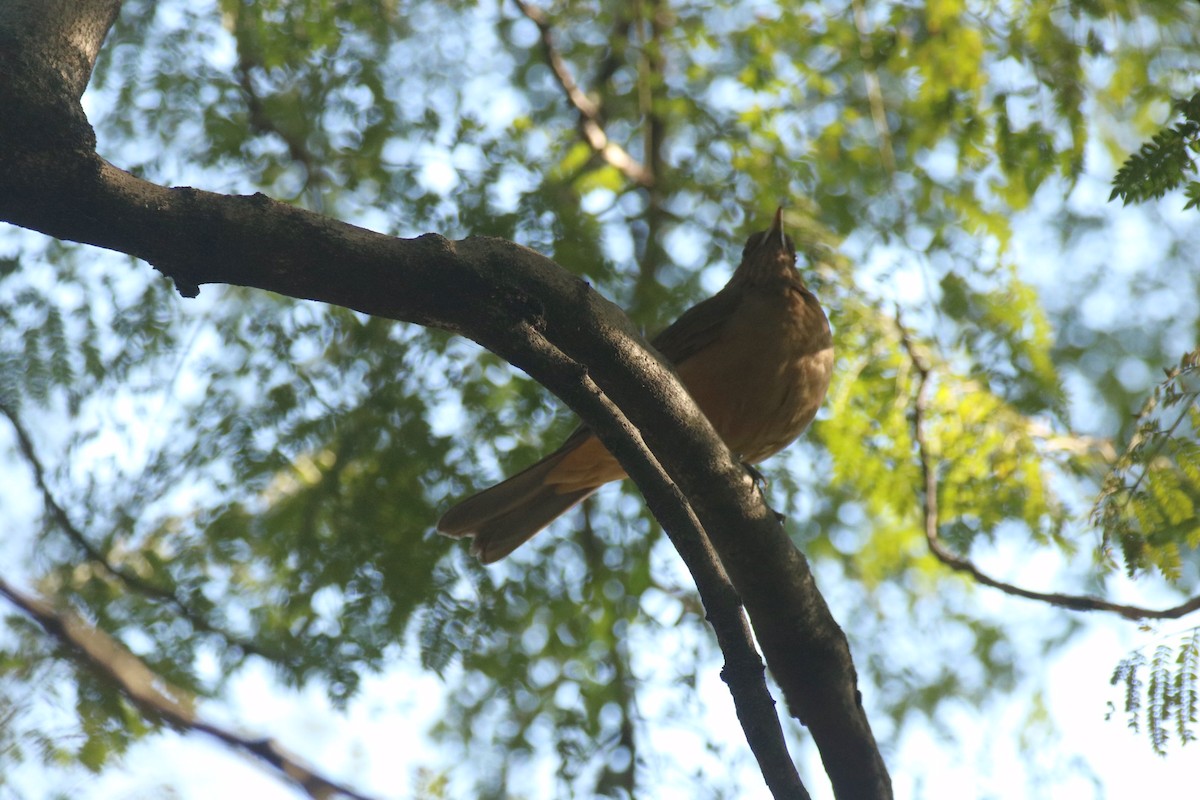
(135, 582)
(262, 123)
(652, 66)
(961, 564)
(590, 124)
(1157, 448)
(874, 90)
(152, 694)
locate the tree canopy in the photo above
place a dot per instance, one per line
(207, 476)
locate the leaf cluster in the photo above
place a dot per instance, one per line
(1164, 163)
(1147, 505)
(1161, 691)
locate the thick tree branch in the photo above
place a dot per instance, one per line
(54, 42)
(508, 299)
(590, 123)
(959, 563)
(743, 673)
(152, 694)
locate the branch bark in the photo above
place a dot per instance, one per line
(511, 300)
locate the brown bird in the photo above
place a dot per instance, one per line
(756, 357)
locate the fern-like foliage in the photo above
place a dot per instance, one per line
(1147, 505)
(1161, 691)
(1165, 162)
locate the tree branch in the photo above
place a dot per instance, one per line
(590, 124)
(959, 563)
(508, 299)
(130, 579)
(744, 672)
(650, 22)
(887, 152)
(107, 658)
(261, 121)
(60, 39)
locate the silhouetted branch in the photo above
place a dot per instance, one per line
(106, 657)
(132, 580)
(743, 672)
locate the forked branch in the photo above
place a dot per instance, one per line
(743, 672)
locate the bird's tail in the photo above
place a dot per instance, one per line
(506, 515)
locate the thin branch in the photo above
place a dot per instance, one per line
(962, 564)
(874, 90)
(652, 66)
(650, 22)
(1157, 446)
(1073, 443)
(63, 522)
(153, 695)
(618, 41)
(261, 122)
(610, 776)
(590, 124)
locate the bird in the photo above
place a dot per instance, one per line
(756, 357)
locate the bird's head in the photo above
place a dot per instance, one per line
(768, 253)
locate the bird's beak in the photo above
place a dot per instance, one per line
(775, 235)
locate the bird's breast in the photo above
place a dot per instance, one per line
(762, 380)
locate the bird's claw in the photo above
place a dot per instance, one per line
(759, 479)
(761, 482)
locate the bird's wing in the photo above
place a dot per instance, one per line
(696, 328)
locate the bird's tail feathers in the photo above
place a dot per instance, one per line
(504, 516)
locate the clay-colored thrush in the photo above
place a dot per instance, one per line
(756, 357)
